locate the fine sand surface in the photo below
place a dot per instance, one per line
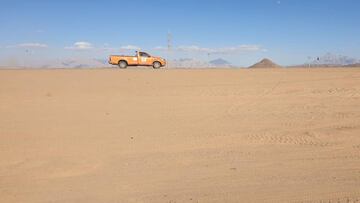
(143, 135)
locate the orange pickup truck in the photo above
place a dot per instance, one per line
(140, 59)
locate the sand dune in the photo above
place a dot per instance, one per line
(143, 135)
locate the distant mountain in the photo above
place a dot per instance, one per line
(102, 61)
(69, 63)
(77, 63)
(353, 65)
(330, 60)
(188, 63)
(334, 60)
(194, 63)
(265, 63)
(219, 62)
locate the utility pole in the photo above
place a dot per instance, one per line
(169, 48)
(208, 60)
(28, 53)
(310, 61)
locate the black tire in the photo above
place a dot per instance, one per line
(156, 65)
(123, 64)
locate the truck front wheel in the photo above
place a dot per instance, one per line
(123, 64)
(156, 65)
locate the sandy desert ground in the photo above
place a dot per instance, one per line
(143, 135)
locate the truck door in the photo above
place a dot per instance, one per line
(145, 59)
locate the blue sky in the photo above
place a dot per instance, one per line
(242, 32)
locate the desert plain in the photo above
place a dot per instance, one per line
(173, 135)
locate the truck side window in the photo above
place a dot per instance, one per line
(142, 54)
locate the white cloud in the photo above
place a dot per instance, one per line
(185, 48)
(222, 50)
(194, 48)
(81, 46)
(29, 45)
(160, 48)
(130, 47)
(106, 47)
(238, 49)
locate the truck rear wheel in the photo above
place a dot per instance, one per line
(123, 64)
(156, 65)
